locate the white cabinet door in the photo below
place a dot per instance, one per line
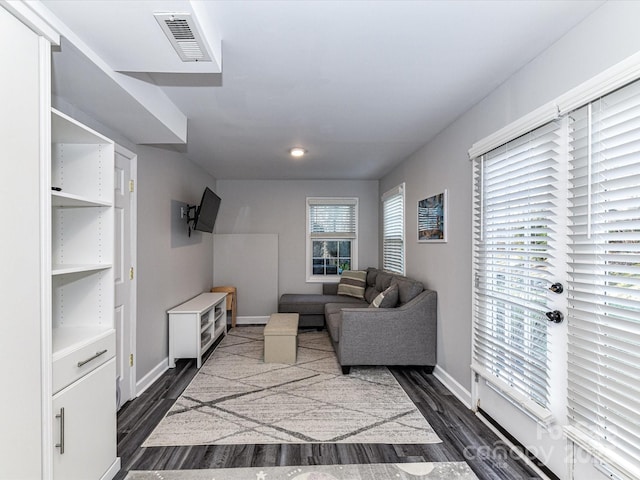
(89, 426)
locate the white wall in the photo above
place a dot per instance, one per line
(603, 39)
(279, 206)
(171, 267)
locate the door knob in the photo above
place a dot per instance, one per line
(556, 288)
(555, 316)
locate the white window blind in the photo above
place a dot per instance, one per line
(604, 278)
(332, 218)
(515, 202)
(393, 230)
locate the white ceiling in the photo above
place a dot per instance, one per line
(360, 84)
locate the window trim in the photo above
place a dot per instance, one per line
(611, 79)
(310, 277)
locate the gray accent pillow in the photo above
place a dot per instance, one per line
(386, 299)
(352, 283)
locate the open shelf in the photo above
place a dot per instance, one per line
(81, 164)
(77, 268)
(65, 129)
(63, 199)
(82, 235)
(82, 300)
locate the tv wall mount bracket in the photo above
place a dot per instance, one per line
(190, 212)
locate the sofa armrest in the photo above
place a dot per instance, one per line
(329, 288)
(404, 335)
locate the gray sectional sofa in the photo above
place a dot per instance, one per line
(362, 335)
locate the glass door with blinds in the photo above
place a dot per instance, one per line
(556, 348)
(518, 255)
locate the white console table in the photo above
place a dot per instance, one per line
(195, 325)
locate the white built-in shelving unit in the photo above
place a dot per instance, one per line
(82, 300)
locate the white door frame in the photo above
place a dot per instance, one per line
(133, 159)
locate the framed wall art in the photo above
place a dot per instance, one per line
(432, 219)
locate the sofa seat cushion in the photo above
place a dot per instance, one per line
(310, 304)
(333, 316)
(333, 307)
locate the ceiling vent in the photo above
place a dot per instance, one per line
(182, 31)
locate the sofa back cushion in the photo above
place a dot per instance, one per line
(372, 273)
(352, 283)
(407, 289)
(383, 280)
(370, 293)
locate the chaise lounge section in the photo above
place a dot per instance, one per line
(310, 306)
(401, 331)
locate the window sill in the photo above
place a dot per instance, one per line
(324, 279)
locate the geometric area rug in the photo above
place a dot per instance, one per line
(237, 398)
(380, 471)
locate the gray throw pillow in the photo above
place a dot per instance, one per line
(352, 283)
(386, 299)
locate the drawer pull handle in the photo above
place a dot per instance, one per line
(61, 417)
(84, 362)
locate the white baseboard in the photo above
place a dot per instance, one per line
(252, 320)
(155, 373)
(453, 386)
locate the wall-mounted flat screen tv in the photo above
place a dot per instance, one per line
(207, 211)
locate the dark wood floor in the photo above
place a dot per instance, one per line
(464, 437)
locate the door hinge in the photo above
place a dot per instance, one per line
(131, 186)
(131, 360)
(131, 273)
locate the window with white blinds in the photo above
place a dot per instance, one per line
(604, 278)
(515, 203)
(332, 225)
(393, 230)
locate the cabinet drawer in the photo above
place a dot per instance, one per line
(83, 360)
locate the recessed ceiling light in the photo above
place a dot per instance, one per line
(297, 152)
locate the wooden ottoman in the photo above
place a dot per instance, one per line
(281, 338)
